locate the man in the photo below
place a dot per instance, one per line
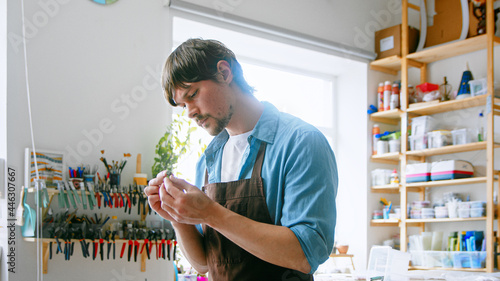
(266, 208)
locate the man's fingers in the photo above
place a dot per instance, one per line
(151, 190)
(173, 189)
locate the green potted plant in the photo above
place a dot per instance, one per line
(173, 144)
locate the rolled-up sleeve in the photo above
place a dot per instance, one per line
(310, 189)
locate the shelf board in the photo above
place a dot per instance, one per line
(388, 158)
(410, 222)
(382, 222)
(392, 64)
(392, 116)
(386, 188)
(447, 182)
(450, 149)
(389, 65)
(447, 268)
(452, 49)
(451, 105)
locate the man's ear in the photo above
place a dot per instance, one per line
(225, 71)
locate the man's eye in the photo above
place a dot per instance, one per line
(194, 94)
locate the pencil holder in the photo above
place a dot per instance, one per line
(114, 179)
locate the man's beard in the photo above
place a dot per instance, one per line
(221, 123)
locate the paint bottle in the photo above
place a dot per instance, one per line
(387, 95)
(380, 96)
(394, 103)
(375, 132)
(481, 136)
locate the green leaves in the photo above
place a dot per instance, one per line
(173, 144)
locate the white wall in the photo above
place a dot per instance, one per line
(93, 76)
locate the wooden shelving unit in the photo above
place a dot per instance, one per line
(399, 65)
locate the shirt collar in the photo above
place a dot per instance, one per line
(265, 129)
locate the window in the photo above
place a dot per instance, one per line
(295, 80)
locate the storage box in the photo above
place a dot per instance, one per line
(418, 172)
(381, 177)
(461, 136)
(439, 138)
(422, 125)
(448, 259)
(417, 142)
(388, 41)
(389, 263)
(451, 169)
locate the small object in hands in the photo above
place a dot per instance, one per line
(139, 178)
(342, 249)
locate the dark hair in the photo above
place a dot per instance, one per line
(196, 60)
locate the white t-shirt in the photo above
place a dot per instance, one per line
(231, 156)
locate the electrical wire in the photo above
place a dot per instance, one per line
(39, 275)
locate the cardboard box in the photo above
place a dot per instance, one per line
(447, 23)
(388, 41)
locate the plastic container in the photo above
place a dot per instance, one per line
(478, 87)
(441, 212)
(461, 136)
(476, 204)
(375, 132)
(417, 142)
(439, 138)
(382, 147)
(476, 212)
(449, 259)
(381, 177)
(463, 205)
(394, 145)
(422, 125)
(463, 213)
(377, 215)
(387, 262)
(428, 213)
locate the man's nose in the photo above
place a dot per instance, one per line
(192, 111)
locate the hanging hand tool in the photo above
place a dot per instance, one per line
(113, 238)
(57, 233)
(98, 197)
(123, 246)
(60, 196)
(101, 245)
(84, 196)
(75, 193)
(136, 245)
(162, 243)
(90, 186)
(146, 243)
(51, 234)
(130, 244)
(68, 194)
(106, 237)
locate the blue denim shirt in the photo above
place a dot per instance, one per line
(299, 174)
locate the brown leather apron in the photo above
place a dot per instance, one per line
(226, 260)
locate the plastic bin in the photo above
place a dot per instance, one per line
(417, 142)
(389, 263)
(422, 125)
(461, 136)
(448, 259)
(381, 177)
(440, 138)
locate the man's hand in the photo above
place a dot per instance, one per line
(153, 193)
(184, 202)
